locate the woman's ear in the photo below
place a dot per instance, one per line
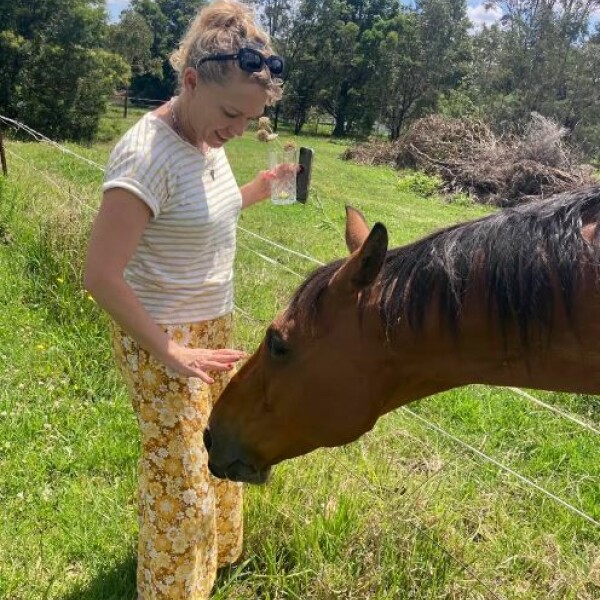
(190, 79)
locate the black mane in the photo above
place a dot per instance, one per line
(517, 254)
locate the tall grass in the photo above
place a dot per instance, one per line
(402, 514)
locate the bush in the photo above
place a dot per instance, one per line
(63, 93)
(421, 184)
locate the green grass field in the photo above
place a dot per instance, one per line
(404, 513)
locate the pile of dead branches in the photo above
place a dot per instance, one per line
(373, 152)
(470, 158)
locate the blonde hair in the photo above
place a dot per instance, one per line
(223, 27)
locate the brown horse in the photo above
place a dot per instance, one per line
(509, 299)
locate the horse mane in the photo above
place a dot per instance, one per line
(518, 256)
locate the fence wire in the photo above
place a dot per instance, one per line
(273, 262)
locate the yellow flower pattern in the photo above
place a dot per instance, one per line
(189, 522)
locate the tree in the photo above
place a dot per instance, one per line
(581, 106)
(168, 21)
(70, 90)
(334, 64)
(540, 58)
(55, 74)
(401, 77)
(277, 17)
(12, 57)
(424, 53)
(132, 39)
(354, 71)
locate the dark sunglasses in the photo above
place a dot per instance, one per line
(249, 60)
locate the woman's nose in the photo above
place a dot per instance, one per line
(239, 127)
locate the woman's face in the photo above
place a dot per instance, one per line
(219, 112)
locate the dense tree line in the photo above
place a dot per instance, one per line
(360, 62)
(367, 61)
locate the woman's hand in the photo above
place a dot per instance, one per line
(259, 188)
(197, 362)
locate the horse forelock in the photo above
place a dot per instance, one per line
(304, 305)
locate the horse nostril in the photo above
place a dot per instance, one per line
(207, 439)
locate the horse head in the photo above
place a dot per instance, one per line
(309, 383)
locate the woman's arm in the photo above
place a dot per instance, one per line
(258, 189)
(115, 235)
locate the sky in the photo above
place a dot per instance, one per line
(481, 16)
(115, 7)
(476, 11)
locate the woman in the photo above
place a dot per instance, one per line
(160, 263)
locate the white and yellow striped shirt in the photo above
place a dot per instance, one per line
(182, 269)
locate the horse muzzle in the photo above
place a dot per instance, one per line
(228, 461)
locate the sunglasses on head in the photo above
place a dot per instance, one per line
(249, 60)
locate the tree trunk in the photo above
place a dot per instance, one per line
(339, 129)
(299, 121)
(340, 118)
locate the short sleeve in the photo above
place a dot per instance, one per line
(139, 165)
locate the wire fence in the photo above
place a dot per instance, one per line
(246, 313)
(121, 98)
(40, 137)
(318, 123)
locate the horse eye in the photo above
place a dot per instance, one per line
(277, 347)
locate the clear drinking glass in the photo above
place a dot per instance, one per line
(282, 160)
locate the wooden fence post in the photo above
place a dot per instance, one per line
(126, 103)
(3, 155)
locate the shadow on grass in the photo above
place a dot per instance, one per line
(117, 583)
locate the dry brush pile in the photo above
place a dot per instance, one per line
(470, 158)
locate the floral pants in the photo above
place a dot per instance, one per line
(189, 522)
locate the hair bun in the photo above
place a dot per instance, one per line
(226, 14)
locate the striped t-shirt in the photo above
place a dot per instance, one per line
(182, 269)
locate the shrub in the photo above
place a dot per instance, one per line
(421, 184)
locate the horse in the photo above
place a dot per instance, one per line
(510, 299)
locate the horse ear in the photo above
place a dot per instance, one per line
(357, 228)
(364, 264)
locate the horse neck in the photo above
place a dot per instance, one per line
(566, 357)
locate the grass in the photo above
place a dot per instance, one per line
(404, 513)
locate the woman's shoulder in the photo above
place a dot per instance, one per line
(142, 163)
(149, 141)
(148, 131)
